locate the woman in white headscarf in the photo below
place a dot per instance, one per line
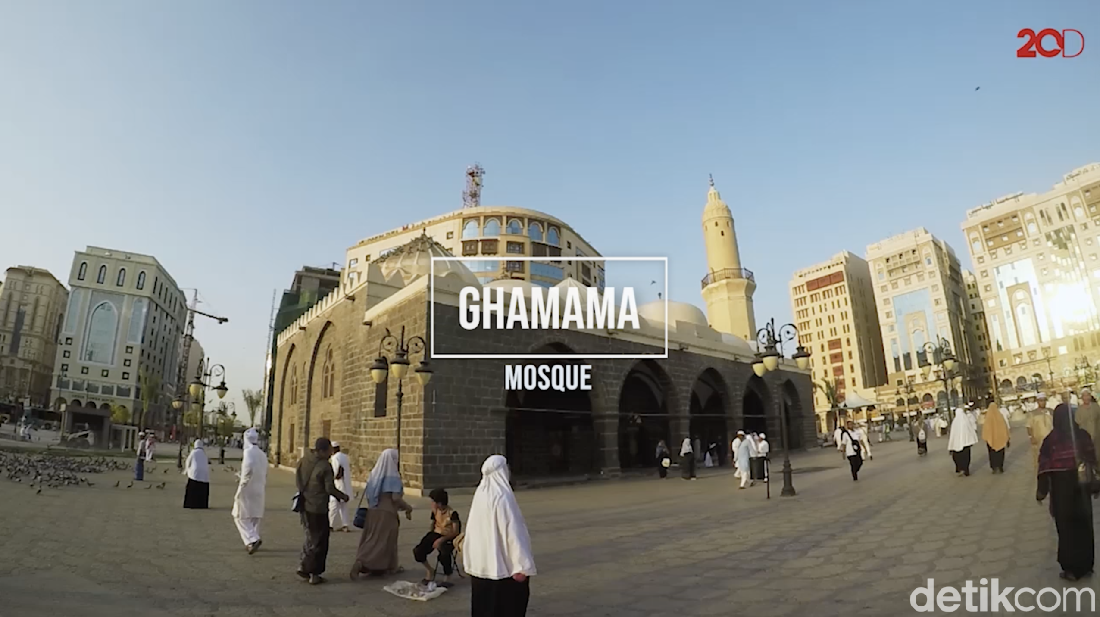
(377, 552)
(248, 504)
(687, 460)
(197, 468)
(496, 552)
(964, 433)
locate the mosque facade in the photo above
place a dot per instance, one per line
(705, 388)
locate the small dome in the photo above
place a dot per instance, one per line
(738, 343)
(414, 260)
(677, 311)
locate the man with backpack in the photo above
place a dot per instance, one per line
(854, 444)
(316, 484)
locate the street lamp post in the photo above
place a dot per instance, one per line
(771, 341)
(196, 392)
(941, 354)
(908, 393)
(401, 348)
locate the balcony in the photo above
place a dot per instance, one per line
(726, 274)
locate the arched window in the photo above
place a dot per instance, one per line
(492, 228)
(102, 276)
(552, 236)
(141, 280)
(469, 229)
(294, 385)
(515, 227)
(82, 271)
(327, 371)
(534, 231)
(99, 343)
(121, 277)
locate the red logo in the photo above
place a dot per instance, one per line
(1034, 43)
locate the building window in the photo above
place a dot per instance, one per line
(492, 228)
(105, 373)
(102, 276)
(515, 248)
(514, 266)
(99, 342)
(450, 235)
(68, 340)
(121, 280)
(534, 231)
(353, 262)
(515, 227)
(469, 247)
(327, 375)
(64, 368)
(294, 385)
(65, 354)
(127, 362)
(129, 349)
(82, 271)
(488, 247)
(552, 236)
(125, 376)
(83, 370)
(141, 280)
(470, 229)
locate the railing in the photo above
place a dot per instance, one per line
(728, 273)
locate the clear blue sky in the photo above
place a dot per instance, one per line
(239, 141)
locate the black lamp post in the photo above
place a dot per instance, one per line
(401, 348)
(196, 391)
(941, 354)
(908, 393)
(771, 341)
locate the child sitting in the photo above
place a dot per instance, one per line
(446, 525)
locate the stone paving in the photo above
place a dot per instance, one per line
(641, 547)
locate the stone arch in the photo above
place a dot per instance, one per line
(645, 400)
(754, 406)
(709, 409)
(926, 401)
(284, 394)
(791, 407)
(313, 385)
(76, 404)
(59, 404)
(548, 432)
(1006, 385)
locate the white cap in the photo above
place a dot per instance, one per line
(761, 435)
(336, 444)
(1041, 395)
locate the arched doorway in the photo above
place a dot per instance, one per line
(314, 395)
(754, 407)
(643, 415)
(792, 414)
(708, 410)
(549, 433)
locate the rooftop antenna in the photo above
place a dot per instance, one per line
(471, 197)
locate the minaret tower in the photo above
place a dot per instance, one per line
(727, 288)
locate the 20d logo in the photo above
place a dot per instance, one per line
(1033, 45)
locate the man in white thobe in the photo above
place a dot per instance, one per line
(341, 472)
(762, 450)
(735, 446)
(744, 455)
(248, 504)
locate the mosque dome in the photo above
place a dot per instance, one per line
(677, 311)
(414, 260)
(738, 343)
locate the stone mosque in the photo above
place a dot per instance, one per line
(445, 428)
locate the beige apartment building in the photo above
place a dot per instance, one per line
(834, 307)
(1037, 261)
(979, 333)
(923, 311)
(497, 232)
(32, 305)
(125, 315)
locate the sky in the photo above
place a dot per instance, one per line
(238, 141)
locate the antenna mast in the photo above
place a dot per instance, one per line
(471, 197)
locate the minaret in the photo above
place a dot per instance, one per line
(727, 288)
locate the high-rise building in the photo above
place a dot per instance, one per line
(979, 333)
(834, 308)
(33, 304)
(125, 316)
(1037, 261)
(727, 287)
(922, 308)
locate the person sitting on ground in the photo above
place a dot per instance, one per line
(446, 525)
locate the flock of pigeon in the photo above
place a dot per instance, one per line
(54, 472)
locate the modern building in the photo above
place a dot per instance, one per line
(706, 387)
(834, 308)
(923, 312)
(492, 231)
(1037, 261)
(727, 287)
(125, 316)
(32, 305)
(979, 334)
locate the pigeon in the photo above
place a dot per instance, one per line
(149, 487)
(131, 484)
(117, 483)
(166, 471)
(39, 492)
(161, 485)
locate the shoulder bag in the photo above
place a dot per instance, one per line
(360, 520)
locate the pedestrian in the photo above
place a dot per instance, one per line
(248, 503)
(445, 528)
(1088, 415)
(197, 494)
(1039, 424)
(922, 437)
(664, 459)
(735, 446)
(496, 552)
(744, 462)
(377, 552)
(837, 434)
(1062, 454)
(853, 443)
(139, 465)
(964, 434)
(763, 449)
(687, 460)
(150, 452)
(315, 485)
(996, 436)
(338, 510)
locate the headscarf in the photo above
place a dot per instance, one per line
(995, 430)
(685, 448)
(198, 467)
(963, 433)
(384, 478)
(251, 438)
(497, 544)
(1066, 444)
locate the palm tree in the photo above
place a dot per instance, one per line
(150, 394)
(832, 394)
(252, 400)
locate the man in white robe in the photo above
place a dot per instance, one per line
(248, 504)
(735, 445)
(341, 472)
(744, 456)
(762, 450)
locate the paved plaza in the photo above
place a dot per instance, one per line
(641, 547)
